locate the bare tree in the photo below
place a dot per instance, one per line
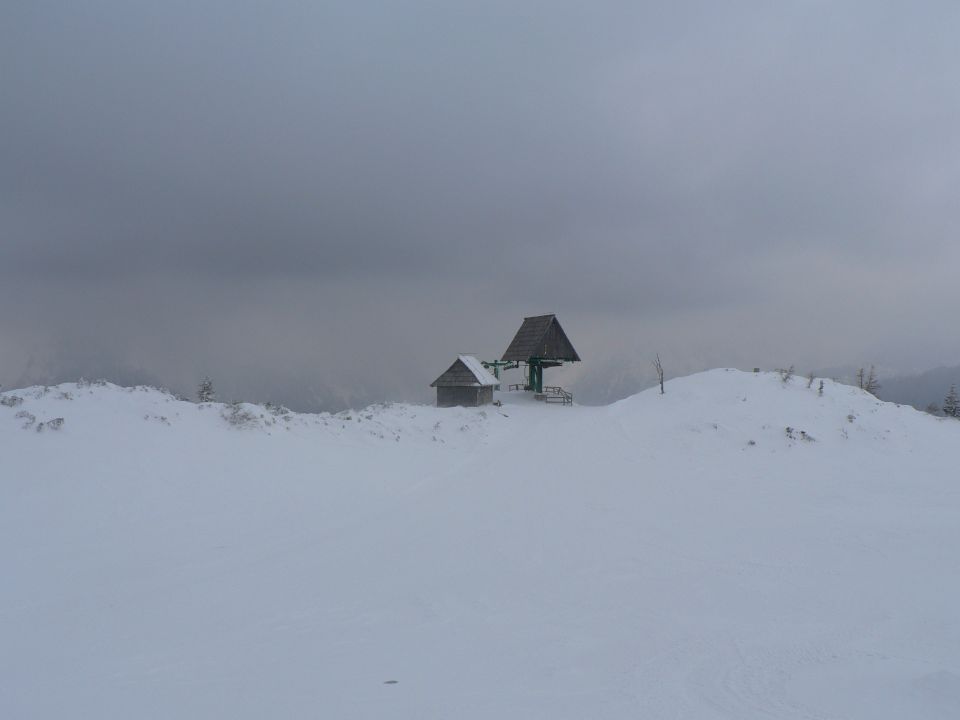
(658, 366)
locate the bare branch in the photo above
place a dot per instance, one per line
(658, 366)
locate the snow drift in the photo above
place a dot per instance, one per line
(738, 547)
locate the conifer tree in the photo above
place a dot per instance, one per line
(951, 403)
(205, 392)
(868, 380)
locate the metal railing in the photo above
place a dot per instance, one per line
(550, 394)
(556, 394)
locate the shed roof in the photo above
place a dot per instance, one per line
(466, 371)
(541, 337)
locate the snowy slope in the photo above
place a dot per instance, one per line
(675, 556)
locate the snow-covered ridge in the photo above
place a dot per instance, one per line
(92, 405)
(728, 401)
(738, 547)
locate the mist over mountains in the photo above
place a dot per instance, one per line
(922, 389)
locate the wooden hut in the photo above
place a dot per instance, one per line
(540, 343)
(467, 383)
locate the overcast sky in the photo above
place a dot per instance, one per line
(323, 202)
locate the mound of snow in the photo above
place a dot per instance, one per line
(738, 547)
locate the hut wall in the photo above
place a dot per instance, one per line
(464, 396)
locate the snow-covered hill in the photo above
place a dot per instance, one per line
(739, 547)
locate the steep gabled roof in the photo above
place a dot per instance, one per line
(466, 371)
(541, 337)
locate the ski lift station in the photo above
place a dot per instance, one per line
(540, 343)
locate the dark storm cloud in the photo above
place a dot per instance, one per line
(296, 192)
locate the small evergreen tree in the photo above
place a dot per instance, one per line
(951, 403)
(868, 380)
(205, 392)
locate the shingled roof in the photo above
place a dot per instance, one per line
(466, 371)
(541, 337)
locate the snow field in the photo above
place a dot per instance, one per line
(667, 556)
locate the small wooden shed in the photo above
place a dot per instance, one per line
(467, 383)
